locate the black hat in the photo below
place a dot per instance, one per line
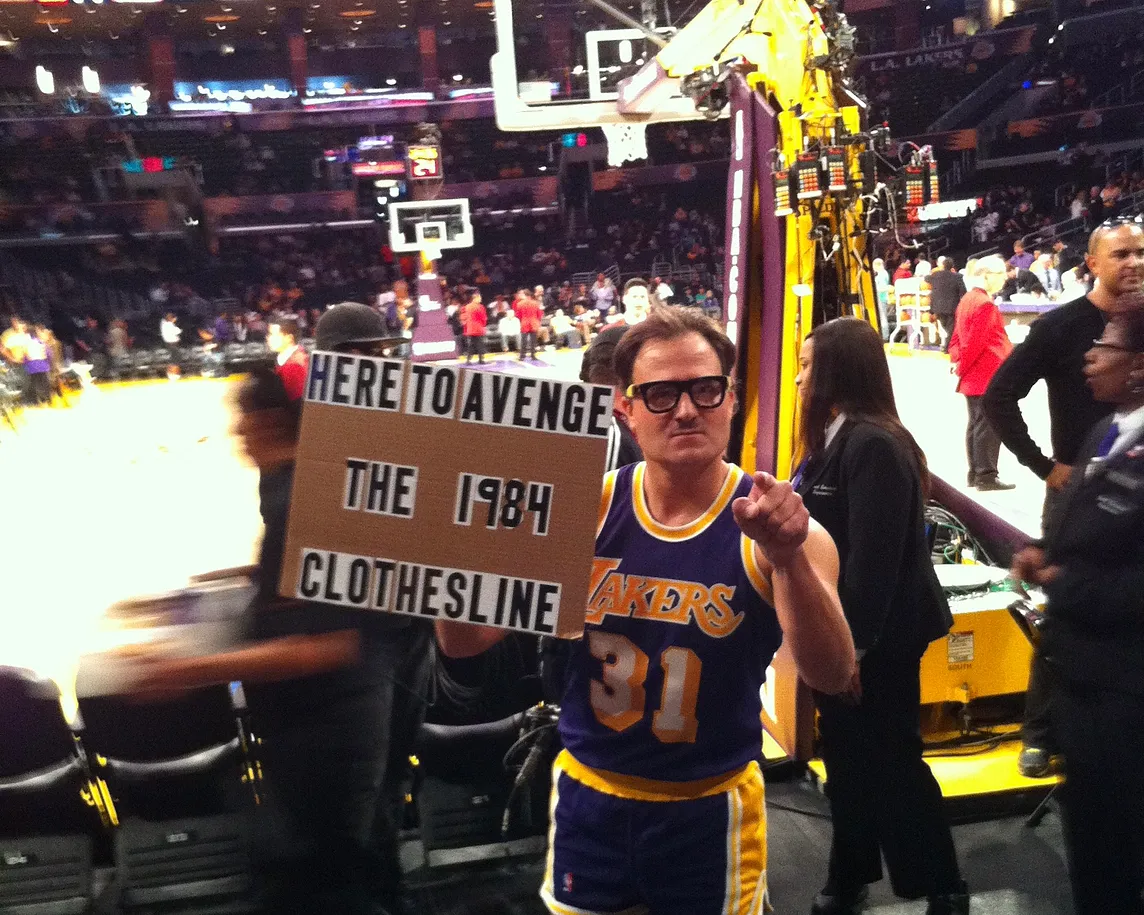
(350, 322)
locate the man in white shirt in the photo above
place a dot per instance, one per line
(171, 333)
(562, 332)
(509, 329)
(661, 290)
(602, 294)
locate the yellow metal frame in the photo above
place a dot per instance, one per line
(773, 41)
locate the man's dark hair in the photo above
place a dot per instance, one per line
(597, 366)
(288, 327)
(671, 324)
(635, 281)
(849, 374)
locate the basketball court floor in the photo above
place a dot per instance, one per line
(138, 486)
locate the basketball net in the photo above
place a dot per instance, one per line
(627, 142)
(430, 253)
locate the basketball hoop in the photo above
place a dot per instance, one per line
(430, 254)
(627, 141)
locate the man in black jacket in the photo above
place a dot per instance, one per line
(1055, 351)
(946, 289)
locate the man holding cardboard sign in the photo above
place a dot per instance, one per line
(699, 571)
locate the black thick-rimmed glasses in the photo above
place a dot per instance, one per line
(707, 392)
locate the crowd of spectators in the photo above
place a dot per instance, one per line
(1009, 211)
(634, 231)
(1085, 72)
(638, 226)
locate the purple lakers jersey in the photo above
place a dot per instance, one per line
(680, 630)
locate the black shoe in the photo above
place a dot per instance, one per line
(840, 904)
(994, 485)
(950, 903)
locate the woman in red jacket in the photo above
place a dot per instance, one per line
(474, 320)
(977, 348)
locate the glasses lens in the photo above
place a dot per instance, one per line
(659, 397)
(708, 392)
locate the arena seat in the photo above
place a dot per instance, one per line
(175, 772)
(464, 789)
(144, 364)
(45, 826)
(121, 366)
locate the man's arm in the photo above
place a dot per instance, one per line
(261, 662)
(803, 564)
(810, 613)
(1012, 382)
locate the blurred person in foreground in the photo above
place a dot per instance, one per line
(1091, 567)
(338, 695)
(865, 480)
(977, 348)
(657, 796)
(1055, 352)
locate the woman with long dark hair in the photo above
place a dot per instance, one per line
(865, 479)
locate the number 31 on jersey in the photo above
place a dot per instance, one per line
(619, 699)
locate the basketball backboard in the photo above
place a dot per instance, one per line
(430, 225)
(614, 77)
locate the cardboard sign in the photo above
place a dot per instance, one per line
(443, 493)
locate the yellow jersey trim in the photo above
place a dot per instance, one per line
(759, 580)
(634, 788)
(606, 500)
(687, 531)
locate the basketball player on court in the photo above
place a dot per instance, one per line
(700, 571)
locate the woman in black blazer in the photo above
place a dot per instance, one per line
(1091, 566)
(865, 480)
